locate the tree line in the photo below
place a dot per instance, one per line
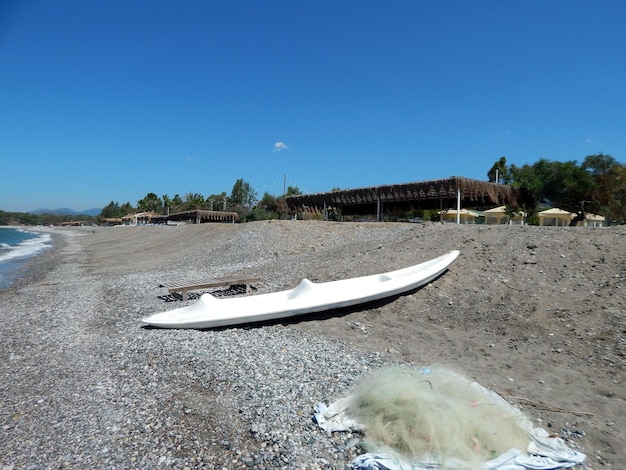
(242, 199)
(596, 185)
(26, 218)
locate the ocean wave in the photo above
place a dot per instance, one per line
(25, 248)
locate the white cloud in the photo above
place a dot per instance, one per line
(588, 141)
(278, 146)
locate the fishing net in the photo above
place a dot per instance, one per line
(435, 412)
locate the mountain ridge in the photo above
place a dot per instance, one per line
(67, 211)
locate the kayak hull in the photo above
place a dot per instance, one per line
(306, 297)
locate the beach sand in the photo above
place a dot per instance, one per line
(536, 314)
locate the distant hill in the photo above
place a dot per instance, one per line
(66, 211)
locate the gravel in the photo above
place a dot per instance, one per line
(83, 385)
(527, 311)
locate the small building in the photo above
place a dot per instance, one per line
(555, 217)
(466, 216)
(111, 221)
(141, 218)
(594, 220)
(498, 216)
(560, 218)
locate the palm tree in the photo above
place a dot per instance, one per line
(193, 201)
(151, 202)
(167, 204)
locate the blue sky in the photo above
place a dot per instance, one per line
(109, 100)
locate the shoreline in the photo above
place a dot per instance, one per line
(527, 312)
(35, 267)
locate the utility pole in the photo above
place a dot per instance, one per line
(285, 192)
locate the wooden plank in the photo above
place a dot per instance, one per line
(184, 287)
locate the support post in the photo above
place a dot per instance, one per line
(458, 205)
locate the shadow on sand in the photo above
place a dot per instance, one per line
(316, 316)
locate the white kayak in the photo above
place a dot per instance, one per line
(306, 297)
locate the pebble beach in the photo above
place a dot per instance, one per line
(536, 314)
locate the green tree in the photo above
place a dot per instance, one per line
(216, 202)
(21, 218)
(293, 191)
(260, 213)
(177, 203)
(192, 201)
(126, 208)
(557, 184)
(111, 210)
(617, 207)
(570, 186)
(609, 185)
(499, 172)
(243, 194)
(269, 203)
(151, 202)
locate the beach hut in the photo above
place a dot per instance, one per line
(111, 221)
(466, 216)
(140, 218)
(498, 215)
(555, 218)
(143, 218)
(594, 220)
(559, 217)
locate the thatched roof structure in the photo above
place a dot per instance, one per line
(112, 221)
(201, 215)
(434, 194)
(141, 217)
(73, 223)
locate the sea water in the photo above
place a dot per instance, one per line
(17, 245)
